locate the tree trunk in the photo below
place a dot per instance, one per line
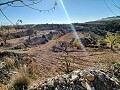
(112, 45)
(29, 37)
(5, 41)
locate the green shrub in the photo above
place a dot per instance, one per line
(77, 44)
(117, 70)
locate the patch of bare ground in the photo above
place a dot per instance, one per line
(49, 65)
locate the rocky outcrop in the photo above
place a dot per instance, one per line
(82, 80)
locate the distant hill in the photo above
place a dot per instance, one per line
(105, 20)
(111, 18)
(100, 27)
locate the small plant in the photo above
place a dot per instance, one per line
(31, 67)
(76, 44)
(65, 60)
(117, 70)
(1, 33)
(3, 87)
(32, 71)
(22, 46)
(21, 83)
(9, 62)
(103, 43)
(54, 37)
(93, 38)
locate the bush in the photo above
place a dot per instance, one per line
(43, 36)
(9, 62)
(22, 46)
(1, 33)
(17, 36)
(76, 44)
(7, 45)
(117, 70)
(21, 83)
(66, 64)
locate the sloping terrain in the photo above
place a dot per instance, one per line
(50, 65)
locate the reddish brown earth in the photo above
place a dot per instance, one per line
(49, 65)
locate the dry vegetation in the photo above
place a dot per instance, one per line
(42, 62)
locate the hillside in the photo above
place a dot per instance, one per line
(44, 51)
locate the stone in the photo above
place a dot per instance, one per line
(90, 77)
(80, 80)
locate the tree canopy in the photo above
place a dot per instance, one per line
(22, 3)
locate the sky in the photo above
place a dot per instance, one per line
(78, 11)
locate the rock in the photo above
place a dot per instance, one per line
(90, 77)
(82, 80)
(88, 87)
(74, 77)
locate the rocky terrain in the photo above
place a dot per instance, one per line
(31, 55)
(81, 80)
(11, 63)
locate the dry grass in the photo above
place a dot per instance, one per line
(20, 83)
(9, 62)
(77, 44)
(3, 87)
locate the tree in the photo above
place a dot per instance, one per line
(65, 59)
(30, 32)
(22, 3)
(17, 24)
(66, 63)
(5, 33)
(111, 39)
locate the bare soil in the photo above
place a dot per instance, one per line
(49, 65)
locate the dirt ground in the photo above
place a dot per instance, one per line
(49, 65)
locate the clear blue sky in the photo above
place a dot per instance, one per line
(78, 11)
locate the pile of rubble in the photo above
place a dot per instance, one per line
(82, 80)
